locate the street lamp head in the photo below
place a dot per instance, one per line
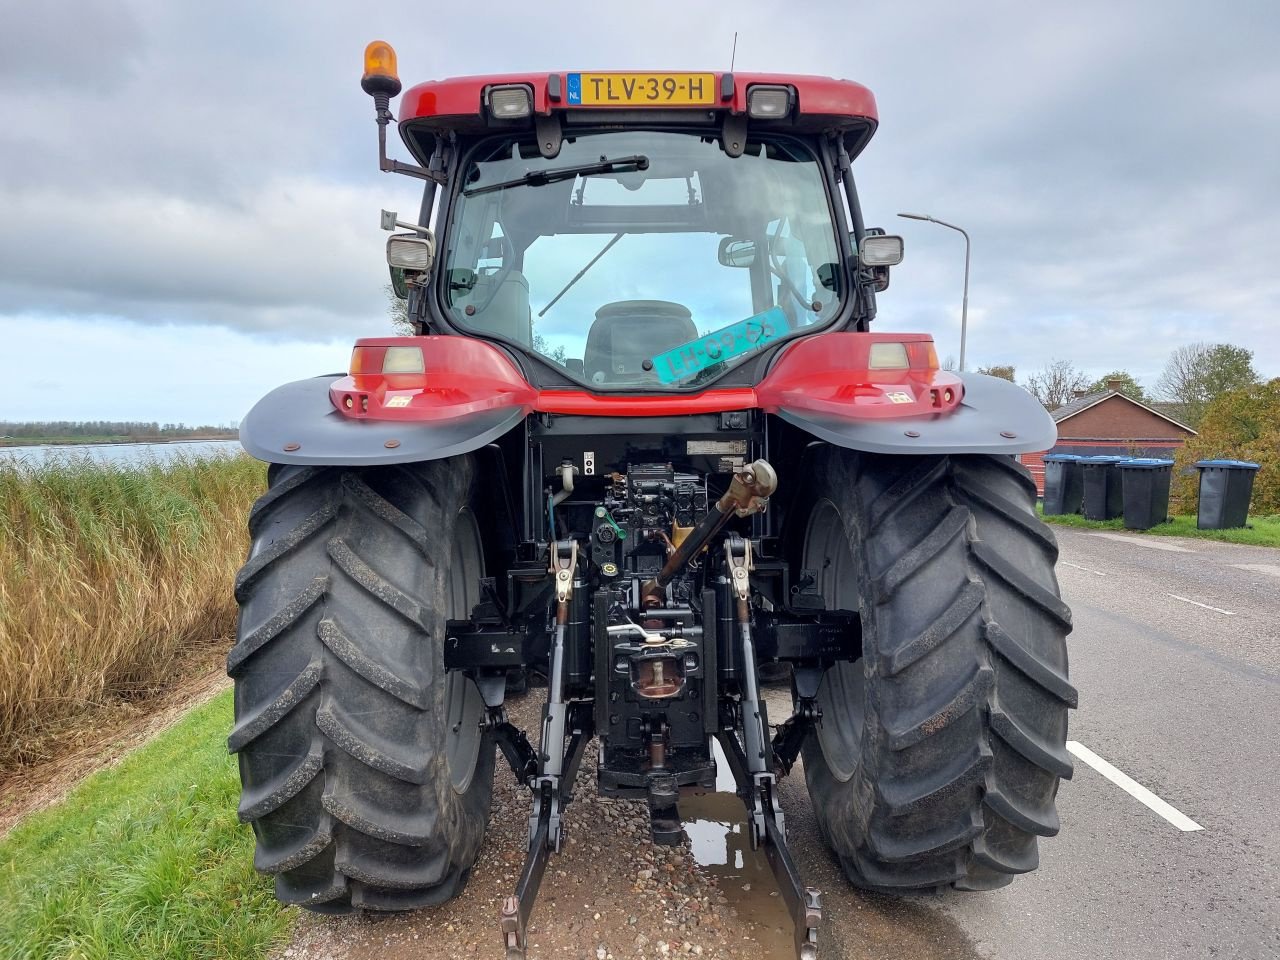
(915, 216)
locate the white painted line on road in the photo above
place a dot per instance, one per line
(1271, 568)
(1133, 788)
(1151, 542)
(1225, 613)
(1096, 573)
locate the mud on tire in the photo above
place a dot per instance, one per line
(364, 772)
(940, 752)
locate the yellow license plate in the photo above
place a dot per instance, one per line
(641, 89)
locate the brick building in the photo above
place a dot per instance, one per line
(1108, 422)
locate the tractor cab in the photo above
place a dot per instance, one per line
(650, 232)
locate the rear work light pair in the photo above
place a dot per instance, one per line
(515, 102)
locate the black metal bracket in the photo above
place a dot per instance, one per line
(790, 738)
(382, 116)
(514, 745)
(808, 715)
(551, 794)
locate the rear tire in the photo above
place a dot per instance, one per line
(365, 773)
(940, 752)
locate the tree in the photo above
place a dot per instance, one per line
(556, 353)
(1004, 372)
(1127, 385)
(1056, 383)
(1198, 373)
(1240, 424)
(399, 311)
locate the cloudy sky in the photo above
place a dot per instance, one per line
(189, 196)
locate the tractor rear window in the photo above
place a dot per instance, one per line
(642, 260)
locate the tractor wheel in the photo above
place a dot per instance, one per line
(365, 772)
(939, 752)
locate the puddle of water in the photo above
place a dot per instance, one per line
(721, 844)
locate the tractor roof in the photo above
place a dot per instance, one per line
(820, 103)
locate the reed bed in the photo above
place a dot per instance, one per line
(110, 576)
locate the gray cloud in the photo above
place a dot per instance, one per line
(89, 50)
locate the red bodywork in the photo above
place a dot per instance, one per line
(463, 96)
(821, 102)
(826, 374)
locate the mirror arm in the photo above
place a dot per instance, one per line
(382, 108)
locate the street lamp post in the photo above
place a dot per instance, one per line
(964, 304)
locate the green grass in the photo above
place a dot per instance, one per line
(1261, 531)
(145, 860)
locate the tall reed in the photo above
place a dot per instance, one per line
(109, 576)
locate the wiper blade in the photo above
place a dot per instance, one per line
(538, 178)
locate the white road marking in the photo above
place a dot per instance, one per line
(1133, 788)
(1225, 613)
(1096, 573)
(1271, 568)
(1152, 542)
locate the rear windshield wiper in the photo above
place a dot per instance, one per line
(538, 178)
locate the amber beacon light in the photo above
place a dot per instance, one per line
(380, 74)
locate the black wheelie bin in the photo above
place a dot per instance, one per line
(1145, 482)
(1226, 486)
(1063, 484)
(1103, 494)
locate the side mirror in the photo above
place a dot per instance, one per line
(399, 285)
(737, 253)
(880, 250)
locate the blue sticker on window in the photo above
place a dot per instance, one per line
(575, 88)
(720, 345)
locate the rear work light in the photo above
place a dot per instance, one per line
(510, 103)
(883, 250)
(410, 252)
(768, 103)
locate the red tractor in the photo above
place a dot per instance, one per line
(642, 442)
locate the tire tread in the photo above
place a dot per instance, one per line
(963, 742)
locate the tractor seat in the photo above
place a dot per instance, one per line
(500, 305)
(628, 332)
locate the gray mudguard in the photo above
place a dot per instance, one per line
(299, 416)
(995, 416)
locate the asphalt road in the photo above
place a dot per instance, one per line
(1176, 654)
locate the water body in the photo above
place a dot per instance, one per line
(122, 454)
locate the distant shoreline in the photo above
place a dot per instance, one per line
(113, 441)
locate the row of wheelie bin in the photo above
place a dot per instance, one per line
(1137, 488)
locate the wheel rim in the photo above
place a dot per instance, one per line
(842, 693)
(463, 704)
